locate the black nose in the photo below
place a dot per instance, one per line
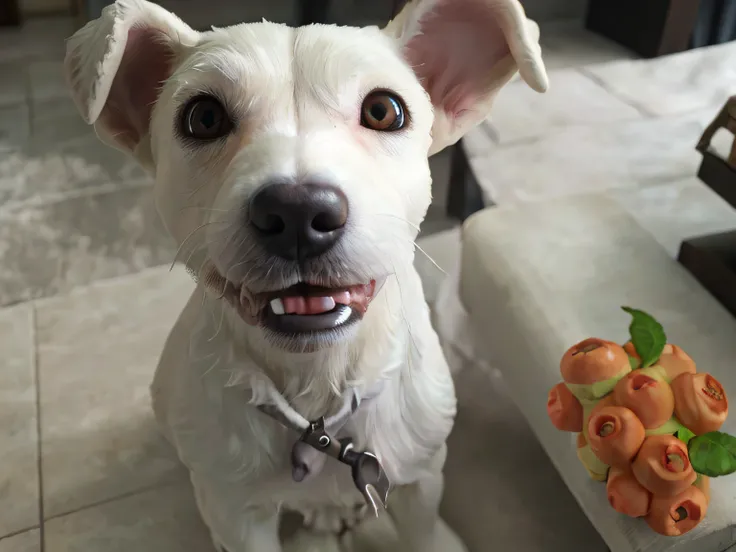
(298, 221)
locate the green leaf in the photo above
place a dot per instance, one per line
(713, 454)
(684, 435)
(647, 335)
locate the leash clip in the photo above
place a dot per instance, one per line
(368, 474)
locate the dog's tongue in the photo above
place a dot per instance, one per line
(356, 297)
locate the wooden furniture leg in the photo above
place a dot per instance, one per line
(712, 259)
(464, 196)
(651, 28)
(313, 11)
(9, 13)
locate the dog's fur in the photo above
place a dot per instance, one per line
(296, 95)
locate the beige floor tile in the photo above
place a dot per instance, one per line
(13, 83)
(589, 159)
(15, 130)
(572, 99)
(18, 434)
(97, 351)
(38, 38)
(692, 80)
(46, 80)
(676, 211)
(30, 541)
(497, 472)
(56, 121)
(569, 44)
(161, 520)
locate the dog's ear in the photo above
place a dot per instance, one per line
(116, 64)
(463, 52)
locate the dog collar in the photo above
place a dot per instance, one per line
(317, 442)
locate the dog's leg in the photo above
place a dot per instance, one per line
(415, 511)
(251, 531)
(336, 519)
(234, 527)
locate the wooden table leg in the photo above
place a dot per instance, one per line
(313, 11)
(10, 13)
(464, 196)
(712, 261)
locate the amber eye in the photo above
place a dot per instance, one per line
(204, 118)
(383, 111)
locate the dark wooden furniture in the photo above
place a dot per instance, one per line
(9, 13)
(712, 259)
(650, 28)
(314, 11)
(464, 194)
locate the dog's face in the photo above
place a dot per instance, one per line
(291, 164)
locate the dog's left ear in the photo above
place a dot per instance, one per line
(463, 52)
(116, 64)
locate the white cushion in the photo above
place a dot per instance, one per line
(537, 278)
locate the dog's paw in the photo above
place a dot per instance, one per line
(333, 519)
(218, 547)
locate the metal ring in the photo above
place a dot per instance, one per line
(323, 440)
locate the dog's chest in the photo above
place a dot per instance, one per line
(221, 435)
(234, 442)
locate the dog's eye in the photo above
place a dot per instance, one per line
(382, 111)
(204, 118)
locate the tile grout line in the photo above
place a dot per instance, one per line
(110, 500)
(29, 101)
(590, 75)
(19, 532)
(39, 450)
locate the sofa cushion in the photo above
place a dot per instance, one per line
(537, 278)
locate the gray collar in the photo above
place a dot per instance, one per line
(316, 442)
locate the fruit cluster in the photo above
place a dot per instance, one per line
(634, 421)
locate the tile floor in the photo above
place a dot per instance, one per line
(87, 304)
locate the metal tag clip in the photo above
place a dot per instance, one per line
(368, 475)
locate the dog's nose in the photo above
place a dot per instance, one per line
(298, 221)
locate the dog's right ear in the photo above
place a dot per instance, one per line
(116, 64)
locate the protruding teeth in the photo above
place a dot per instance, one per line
(277, 306)
(323, 304)
(342, 297)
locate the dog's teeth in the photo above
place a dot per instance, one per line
(324, 304)
(277, 306)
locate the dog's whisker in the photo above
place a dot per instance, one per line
(406, 322)
(402, 219)
(220, 325)
(429, 257)
(196, 190)
(234, 267)
(211, 368)
(414, 244)
(198, 249)
(191, 234)
(205, 209)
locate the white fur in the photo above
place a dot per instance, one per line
(296, 95)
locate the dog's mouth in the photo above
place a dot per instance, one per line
(303, 308)
(310, 308)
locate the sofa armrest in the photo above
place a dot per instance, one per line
(537, 278)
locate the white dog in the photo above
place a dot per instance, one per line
(291, 168)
